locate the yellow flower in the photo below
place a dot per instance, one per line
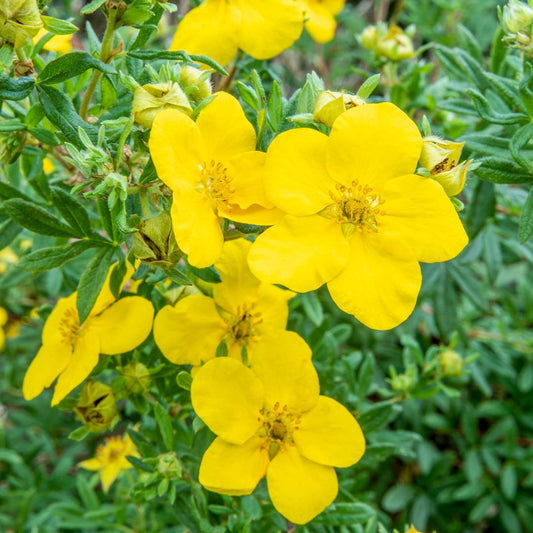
(70, 351)
(357, 218)
(271, 420)
(58, 43)
(440, 157)
(243, 311)
(213, 171)
(3, 322)
(320, 18)
(329, 105)
(7, 258)
(48, 165)
(218, 28)
(110, 459)
(20, 20)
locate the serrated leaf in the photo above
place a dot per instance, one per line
(525, 227)
(53, 257)
(72, 210)
(15, 88)
(91, 282)
(500, 170)
(35, 218)
(69, 65)
(518, 141)
(165, 426)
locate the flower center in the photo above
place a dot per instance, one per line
(355, 208)
(217, 184)
(69, 326)
(242, 327)
(277, 428)
(444, 166)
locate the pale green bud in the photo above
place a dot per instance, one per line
(196, 82)
(20, 20)
(451, 363)
(96, 406)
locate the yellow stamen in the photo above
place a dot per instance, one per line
(217, 184)
(277, 428)
(69, 326)
(242, 327)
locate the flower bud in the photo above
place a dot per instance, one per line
(517, 17)
(451, 363)
(440, 157)
(402, 383)
(136, 378)
(395, 44)
(96, 406)
(168, 465)
(329, 105)
(196, 82)
(20, 20)
(155, 244)
(149, 99)
(368, 37)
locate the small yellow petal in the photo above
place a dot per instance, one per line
(227, 396)
(108, 474)
(233, 469)
(320, 21)
(91, 464)
(300, 489)
(124, 325)
(190, 332)
(282, 361)
(328, 434)
(381, 281)
(301, 253)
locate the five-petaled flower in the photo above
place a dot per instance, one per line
(110, 459)
(357, 218)
(271, 420)
(242, 311)
(214, 172)
(70, 350)
(218, 28)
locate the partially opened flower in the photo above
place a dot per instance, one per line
(320, 18)
(271, 420)
(218, 28)
(214, 172)
(71, 350)
(110, 459)
(242, 311)
(357, 218)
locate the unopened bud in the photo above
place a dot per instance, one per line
(169, 465)
(136, 378)
(155, 244)
(96, 406)
(517, 17)
(149, 99)
(451, 363)
(196, 83)
(20, 20)
(402, 383)
(395, 45)
(329, 105)
(368, 37)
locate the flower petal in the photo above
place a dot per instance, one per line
(124, 325)
(301, 253)
(108, 474)
(84, 359)
(320, 21)
(227, 396)
(282, 361)
(190, 332)
(196, 226)
(91, 464)
(268, 28)
(328, 434)
(300, 489)
(373, 143)
(419, 211)
(272, 305)
(380, 283)
(225, 130)
(64, 313)
(176, 148)
(296, 177)
(49, 362)
(234, 469)
(211, 30)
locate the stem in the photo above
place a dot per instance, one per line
(105, 56)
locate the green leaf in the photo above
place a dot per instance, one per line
(8, 231)
(138, 463)
(346, 514)
(35, 218)
(275, 106)
(58, 26)
(368, 86)
(7, 192)
(80, 433)
(91, 282)
(518, 141)
(45, 136)
(208, 274)
(70, 65)
(248, 96)
(525, 88)
(92, 6)
(490, 115)
(179, 55)
(445, 304)
(469, 285)
(184, 380)
(312, 307)
(500, 170)
(498, 51)
(492, 252)
(525, 227)
(376, 416)
(397, 498)
(72, 210)
(15, 88)
(12, 125)
(481, 208)
(59, 109)
(509, 481)
(53, 257)
(165, 425)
